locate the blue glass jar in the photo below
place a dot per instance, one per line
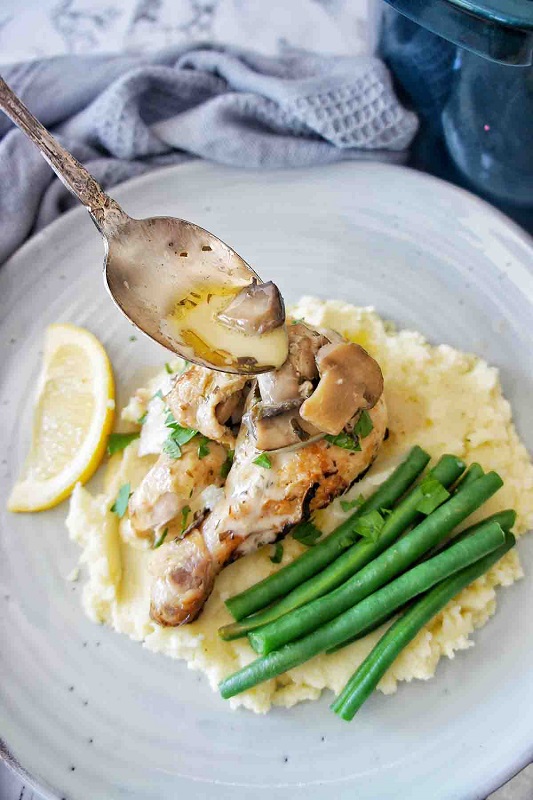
(466, 68)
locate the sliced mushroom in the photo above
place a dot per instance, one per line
(294, 379)
(350, 381)
(257, 309)
(304, 345)
(279, 426)
(279, 386)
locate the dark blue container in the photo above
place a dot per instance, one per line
(466, 68)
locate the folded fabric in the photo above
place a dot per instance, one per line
(122, 116)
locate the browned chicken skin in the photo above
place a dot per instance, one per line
(212, 403)
(260, 505)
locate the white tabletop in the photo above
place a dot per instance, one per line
(30, 29)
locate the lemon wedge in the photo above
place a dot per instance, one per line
(73, 416)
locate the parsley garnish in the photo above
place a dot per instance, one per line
(203, 447)
(172, 448)
(121, 503)
(434, 494)
(133, 338)
(177, 437)
(347, 505)
(307, 533)
(179, 433)
(364, 425)
(182, 435)
(226, 466)
(263, 460)
(169, 368)
(185, 511)
(142, 418)
(277, 555)
(370, 525)
(159, 394)
(161, 539)
(118, 441)
(345, 440)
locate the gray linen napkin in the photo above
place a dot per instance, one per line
(124, 115)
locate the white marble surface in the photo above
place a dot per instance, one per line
(37, 28)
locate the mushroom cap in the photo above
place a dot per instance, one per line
(256, 309)
(350, 381)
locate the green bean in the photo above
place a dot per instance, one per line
(389, 597)
(394, 560)
(505, 519)
(446, 471)
(473, 472)
(367, 676)
(315, 559)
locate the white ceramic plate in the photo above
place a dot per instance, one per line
(91, 713)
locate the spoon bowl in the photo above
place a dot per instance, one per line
(161, 269)
(152, 264)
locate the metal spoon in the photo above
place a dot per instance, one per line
(150, 264)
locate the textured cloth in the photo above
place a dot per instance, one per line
(122, 116)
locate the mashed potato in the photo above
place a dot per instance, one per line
(439, 398)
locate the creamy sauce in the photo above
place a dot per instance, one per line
(194, 322)
(242, 509)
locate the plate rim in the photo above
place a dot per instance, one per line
(66, 219)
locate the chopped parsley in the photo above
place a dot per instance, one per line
(177, 437)
(307, 533)
(203, 447)
(433, 493)
(159, 394)
(263, 460)
(179, 433)
(185, 511)
(277, 555)
(133, 338)
(142, 418)
(169, 368)
(161, 539)
(370, 525)
(182, 435)
(347, 505)
(121, 503)
(171, 448)
(345, 440)
(226, 466)
(364, 425)
(118, 441)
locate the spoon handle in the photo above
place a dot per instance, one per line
(105, 212)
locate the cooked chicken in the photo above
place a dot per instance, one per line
(262, 504)
(172, 485)
(259, 506)
(209, 401)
